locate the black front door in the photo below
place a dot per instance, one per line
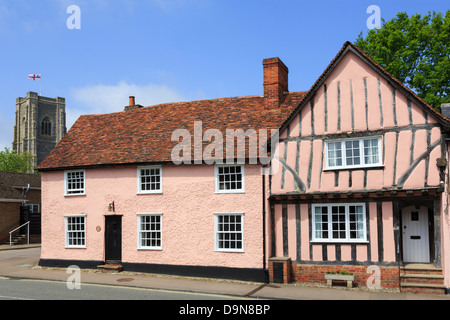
(24, 217)
(113, 239)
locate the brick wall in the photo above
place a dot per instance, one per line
(9, 218)
(389, 276)
(314, 273)
(287, 269)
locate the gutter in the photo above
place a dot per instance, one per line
(13, 200)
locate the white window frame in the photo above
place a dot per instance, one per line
(83, 232)
(347, 238)
(70, 192)
(139, 184)
(216, 232)
(362, 164)
(140, 231)
(217, 182)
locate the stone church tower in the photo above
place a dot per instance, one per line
(40, 125)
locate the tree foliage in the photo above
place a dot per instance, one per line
(12, 162)
(415, 50)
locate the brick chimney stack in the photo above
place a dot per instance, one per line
(132, 104)
(275, 82)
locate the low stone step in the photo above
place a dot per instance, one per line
(110, 268)
(421, 275)
(19, 239)
(423, 285)
(422, 278)
(423, 288)
(421, 268)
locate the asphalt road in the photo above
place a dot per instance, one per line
(12, 289)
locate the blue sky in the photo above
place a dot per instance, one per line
(170, 50)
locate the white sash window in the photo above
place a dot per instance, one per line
(353, 153)
(340, 222)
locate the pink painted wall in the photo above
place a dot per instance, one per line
(350, 75)
(445, 226)
(386, 253)
(188, 204)
(305, 145)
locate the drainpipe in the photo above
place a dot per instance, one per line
(25, 192)
(264, 218)
(398, 255)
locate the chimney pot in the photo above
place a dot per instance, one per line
(132, 105)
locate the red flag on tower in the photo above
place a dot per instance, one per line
(34, 76)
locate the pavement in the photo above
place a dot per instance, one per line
(21, 262)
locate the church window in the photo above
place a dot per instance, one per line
(46, 127)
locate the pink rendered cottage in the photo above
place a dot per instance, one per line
(113, 192)
(359, 183)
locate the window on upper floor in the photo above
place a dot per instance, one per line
(353, 153)
(46, 127)
(343, 222)
(150, 179)
(74, 181)
(229, 178)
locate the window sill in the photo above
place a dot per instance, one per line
(339, 242)
(149, 249)
(376, 167)
(228, 192)
(148, 192)
(75, 195)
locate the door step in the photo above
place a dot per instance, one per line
(110, 268)
(422, 278)
(18, 239)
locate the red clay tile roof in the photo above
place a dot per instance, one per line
(143, 135)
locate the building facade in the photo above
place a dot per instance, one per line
(358, 183)
(114, 191)
(20, 202)
(40, 124)
(362, 185)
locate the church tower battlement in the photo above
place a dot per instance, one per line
(39, 125)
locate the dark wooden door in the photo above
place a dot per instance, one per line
(24, 218)
(278, 275)
(113, 239)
